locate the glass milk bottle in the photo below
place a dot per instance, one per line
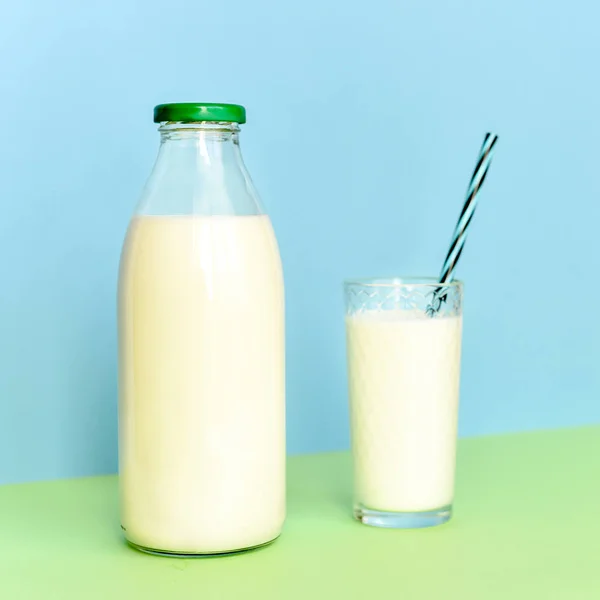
(201, 348)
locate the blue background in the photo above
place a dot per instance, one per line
(364, 124)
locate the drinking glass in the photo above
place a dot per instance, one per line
(403, 347)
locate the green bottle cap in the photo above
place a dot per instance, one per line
(189, 112)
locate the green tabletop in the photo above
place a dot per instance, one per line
(526, 525)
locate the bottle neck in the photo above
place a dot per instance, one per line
(206, 142)
(199, 170)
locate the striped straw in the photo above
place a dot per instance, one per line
(464, 220)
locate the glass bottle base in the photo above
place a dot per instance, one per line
(402, 520)
(176, 554)
(168, 553)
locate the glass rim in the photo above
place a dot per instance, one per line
(399, 282)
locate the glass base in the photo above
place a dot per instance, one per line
(168, 553)
(402, 520)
